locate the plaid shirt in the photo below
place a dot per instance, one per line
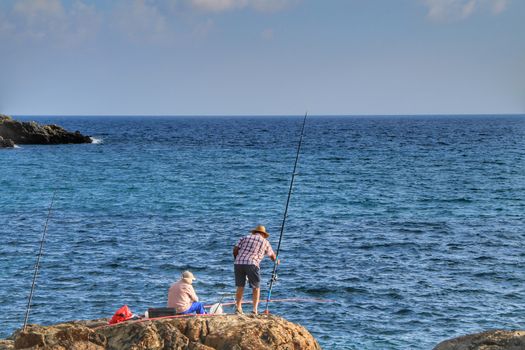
(252, 250)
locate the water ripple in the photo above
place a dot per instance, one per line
(414, 226)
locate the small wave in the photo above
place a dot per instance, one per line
(336, 159)
(16, 146)
(355, 290)
(96, 141)
(316, 291)
(404, 311)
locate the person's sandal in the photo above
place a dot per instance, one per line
(238, 311)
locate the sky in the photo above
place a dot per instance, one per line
(262, 57)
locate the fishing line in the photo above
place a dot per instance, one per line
(288, 300)
(274, 273)
(37, 265)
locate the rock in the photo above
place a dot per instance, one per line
(213, 332)
(33, 133)
(489, 340)
(59, 337)
(6, 143)
(7, 345)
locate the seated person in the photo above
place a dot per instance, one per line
(182, 296)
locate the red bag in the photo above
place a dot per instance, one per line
(122, 314)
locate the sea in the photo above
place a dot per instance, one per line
(411, 227)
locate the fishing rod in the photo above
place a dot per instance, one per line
(276, 262)
(37, 265)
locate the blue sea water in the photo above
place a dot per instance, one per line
(413, 225)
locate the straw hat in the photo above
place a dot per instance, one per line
(188, 277)
(261, 229)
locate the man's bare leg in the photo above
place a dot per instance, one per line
(238, 298)
(255, 298)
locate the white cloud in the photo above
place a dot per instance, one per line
(230, 5)
(49, 21)
(142, 21)
(6, 28)
(498, 6)
(84, 22)
(67, 23)
(218, 5)
(39, 19)
(461, 9)
(35, 8)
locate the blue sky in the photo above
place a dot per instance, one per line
(262, 57)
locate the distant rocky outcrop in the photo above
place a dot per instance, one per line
(489, 340)
(224, 332)
(15, 132)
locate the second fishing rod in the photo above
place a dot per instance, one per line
(37, 264)
(294, 172)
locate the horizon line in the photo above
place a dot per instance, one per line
(269, 115)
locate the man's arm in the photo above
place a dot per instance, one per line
(235, 251)
(192, 294)
(271, 254)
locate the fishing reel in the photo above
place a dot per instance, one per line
(273, 279)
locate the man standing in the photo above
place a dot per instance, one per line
(182, 296)
(248, 253)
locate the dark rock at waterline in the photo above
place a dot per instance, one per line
(6, 143)
(24, 133)
(211, 332)
(489, 340)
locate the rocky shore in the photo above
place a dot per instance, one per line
(211, 332)
(23, 133)
(489, 340)
(224, 332)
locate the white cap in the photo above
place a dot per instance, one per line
(188, 277)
